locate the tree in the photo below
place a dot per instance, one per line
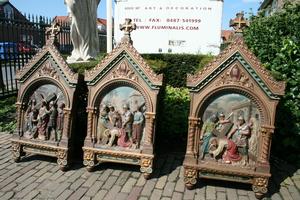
(276, 42)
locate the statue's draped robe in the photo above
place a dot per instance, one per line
(84, 33)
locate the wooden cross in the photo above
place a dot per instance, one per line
(54, 29)
(239, 23)
(127, 27)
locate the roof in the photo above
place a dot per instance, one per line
(66, 19)
(227, 34)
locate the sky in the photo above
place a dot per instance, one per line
(51, 8)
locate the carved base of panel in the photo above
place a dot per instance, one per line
(94, 156)
(260, 187)
(146, 167)
(62, 159)
(89, 160)
(17, 152)
(190, 177)
(19, 148)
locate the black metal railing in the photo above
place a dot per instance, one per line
(21, 38)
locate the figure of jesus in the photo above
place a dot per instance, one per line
(84, 33)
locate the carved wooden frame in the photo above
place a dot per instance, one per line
(46, 67)
(122, 67)
(258, 85)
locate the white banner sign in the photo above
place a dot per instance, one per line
(172, 26)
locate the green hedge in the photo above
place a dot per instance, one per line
(276, 41)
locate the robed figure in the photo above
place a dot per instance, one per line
(84, 33)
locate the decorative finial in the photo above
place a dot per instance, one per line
(127, 28)
(53, 30)
(239, 23)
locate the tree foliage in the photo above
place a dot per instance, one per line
(276, 41)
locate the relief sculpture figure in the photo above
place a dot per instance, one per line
(240, 136)
(207, 133)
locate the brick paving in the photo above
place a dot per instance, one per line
(38, 177)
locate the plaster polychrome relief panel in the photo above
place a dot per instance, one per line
(121, 119)
(44, 114)
(230, 130)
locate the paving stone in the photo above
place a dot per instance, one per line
(288, 181)
(251, 195)
(75, 176)
(95, 188)
(122, 196)
(285, 193)
(44, 177)
(174, 174)
(169, 189)
(85, 198)
(128, 185)
(57, 174)
(8, 195)
(78, 194)
(9, 180)
(109, 182)
(297, 183)
(294, 192)
(276, 196)
(221, 189)
(59, 190)
(123, 178)
(200, 196)
(112, 193)
(9, 187)
(65, 195)
(42, 171)
(77, 184)
(149, 186)
(25, 176)
(177, 196)
(105, 175)
(221, 196)
(25, 183)
(116, 172)
(26, 190)
(210, 192)
(135, 174)
(161, 182)
(242, 192)
(180, 186)
(135, 193)
(31, 195)
(91, 180)
(243, 197)
(100, 195)
(231, 193)
(11, 172)
(189, 194)
(165, 198)
(156, 194)
(143, 198)
(141, 181)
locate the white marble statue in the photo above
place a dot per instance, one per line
(84, 33)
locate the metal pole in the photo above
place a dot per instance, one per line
(109, 27)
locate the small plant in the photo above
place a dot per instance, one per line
(8, 114)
